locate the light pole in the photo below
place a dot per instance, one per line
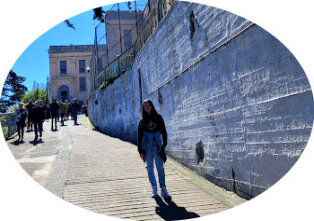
(88, 69)
(88, 79)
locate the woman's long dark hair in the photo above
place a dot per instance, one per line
(153, 115)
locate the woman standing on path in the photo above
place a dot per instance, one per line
(150, 147)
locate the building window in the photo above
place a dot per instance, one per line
(63, 67)
(82, 84)
(82, 66)
(127, 38)
(99, 64)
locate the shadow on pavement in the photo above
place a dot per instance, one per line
(17, 142)
(170, 211)
(35, 142)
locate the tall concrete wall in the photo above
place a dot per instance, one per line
(237, 105)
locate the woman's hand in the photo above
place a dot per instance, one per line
(142, 156)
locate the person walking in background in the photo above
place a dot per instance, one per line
(66, 103)
(20, 116)
(75, 109)
(47, 112)
(54, 108)
(84, 108)
(45, 109)
(62, 110)
(38, 117)
(70, 110)
(29, 108)
(150, 146)
(58, 116)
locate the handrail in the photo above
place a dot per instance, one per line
(8, 124)
(124, 61)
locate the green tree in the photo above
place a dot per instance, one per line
(38, 93)
(13, 91)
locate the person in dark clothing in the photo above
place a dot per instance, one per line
(47, 112)
(29, 108)
(54, 107)
(20, 116)
(75, 109)
(151, 128)
(38, 117)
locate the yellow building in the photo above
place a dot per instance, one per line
(68, 71)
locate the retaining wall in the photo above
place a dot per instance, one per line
(237, 105)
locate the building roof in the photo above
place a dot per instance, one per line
(70, 48)
(111, 15)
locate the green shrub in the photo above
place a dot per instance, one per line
(5, 131)
(109, 81)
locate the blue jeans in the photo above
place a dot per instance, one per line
(152, 156)
(74, 116)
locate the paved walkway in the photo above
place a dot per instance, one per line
(106, 175)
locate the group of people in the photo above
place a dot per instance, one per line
(152, 134)
(36, 114)
(60, 109)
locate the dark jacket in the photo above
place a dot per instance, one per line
(75, 106)
(158, 125)
(38, 113)
(29, 107)
(54, 107)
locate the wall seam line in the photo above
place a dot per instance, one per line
(203, 57)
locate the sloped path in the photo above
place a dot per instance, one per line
(106, 175)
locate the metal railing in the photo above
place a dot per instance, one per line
(126, 59)
(116, 67)
(8, 124)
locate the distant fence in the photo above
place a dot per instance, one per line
(124, 61)
(8, 124)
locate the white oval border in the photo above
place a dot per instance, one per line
(21, 198)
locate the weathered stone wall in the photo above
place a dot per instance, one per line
(237, 105)
(118, 107)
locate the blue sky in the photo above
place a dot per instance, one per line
(34, 61)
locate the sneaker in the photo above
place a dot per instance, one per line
(154, 192)
(165, 194)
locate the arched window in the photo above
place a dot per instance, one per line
(64, 93)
